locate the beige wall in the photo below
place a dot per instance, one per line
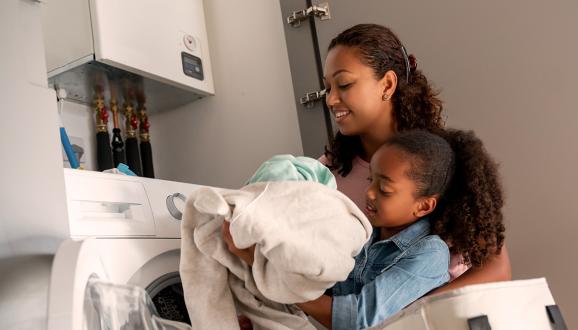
(222, 139)
(508, 70)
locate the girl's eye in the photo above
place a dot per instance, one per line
(369, 179)
(384, 193)
(344, 86)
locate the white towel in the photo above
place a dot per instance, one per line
(306, 237)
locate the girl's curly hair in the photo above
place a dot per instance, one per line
(415, 103)
(454, 166)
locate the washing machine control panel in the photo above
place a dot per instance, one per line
(167, 200)
(174, 211)
(113, 205)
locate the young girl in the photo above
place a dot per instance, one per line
(424, 190)
(374, 89)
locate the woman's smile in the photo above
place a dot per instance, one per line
(340, 115)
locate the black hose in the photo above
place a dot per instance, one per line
(147, 159)
(117, 147)
(103, 152)
(133, 155)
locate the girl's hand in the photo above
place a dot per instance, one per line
(247, 255)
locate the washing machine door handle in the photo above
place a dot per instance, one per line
(173, 210)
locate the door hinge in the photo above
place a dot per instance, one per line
(310, 98)
(321, 10)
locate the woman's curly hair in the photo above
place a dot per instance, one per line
(415, 103)
(454, 166)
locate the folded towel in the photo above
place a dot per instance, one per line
(291, 168)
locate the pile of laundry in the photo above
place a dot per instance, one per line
(306, 235)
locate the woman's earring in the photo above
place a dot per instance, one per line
(385, 97)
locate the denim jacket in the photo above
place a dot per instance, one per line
(389, 275)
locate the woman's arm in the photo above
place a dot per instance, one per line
(496, 269)
(319, 309)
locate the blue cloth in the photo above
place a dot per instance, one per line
(125, 169)
(389, 275)
(291, 168)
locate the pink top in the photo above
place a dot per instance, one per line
(354, 186)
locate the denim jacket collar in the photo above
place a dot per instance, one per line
(409, 235)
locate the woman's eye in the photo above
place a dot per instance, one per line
(369, 179)
(344, 86)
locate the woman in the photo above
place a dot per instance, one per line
(374, 89)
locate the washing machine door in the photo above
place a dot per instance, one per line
(91, 288)
(114, 306)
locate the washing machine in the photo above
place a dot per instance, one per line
(124, 238)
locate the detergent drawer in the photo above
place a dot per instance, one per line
(102, 204)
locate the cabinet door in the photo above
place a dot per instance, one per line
(305, 63)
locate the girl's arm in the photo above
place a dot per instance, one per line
(319, 309)
(423, 267)
(496, 269)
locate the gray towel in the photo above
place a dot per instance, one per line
(306, 237)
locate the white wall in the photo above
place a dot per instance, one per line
(221, 140)
(32, 198)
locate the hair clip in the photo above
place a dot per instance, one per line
(406, 60)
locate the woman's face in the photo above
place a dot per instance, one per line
(390, 198)
(354, 95)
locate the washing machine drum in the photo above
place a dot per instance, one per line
(168, 298)
(113, 306)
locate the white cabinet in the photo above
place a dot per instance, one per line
(137, 47)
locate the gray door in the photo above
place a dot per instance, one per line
(306, 71)
(508, 71)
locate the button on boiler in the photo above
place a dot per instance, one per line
(190, 42)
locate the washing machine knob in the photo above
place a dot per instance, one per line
(173, 210)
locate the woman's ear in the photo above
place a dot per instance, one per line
(425, 206)
(389, 84)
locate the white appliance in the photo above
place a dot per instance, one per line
(58, 225)
(131, 46)
(57, 292)
(149, 264)
(123, 230)
(113, 205)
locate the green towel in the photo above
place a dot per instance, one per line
(291, 168)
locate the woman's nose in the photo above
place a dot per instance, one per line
(331, 98)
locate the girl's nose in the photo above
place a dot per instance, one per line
(370, 193)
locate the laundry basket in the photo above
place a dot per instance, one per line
(512, 305)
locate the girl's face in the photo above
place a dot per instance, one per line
(354, 96)
(390, 199)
